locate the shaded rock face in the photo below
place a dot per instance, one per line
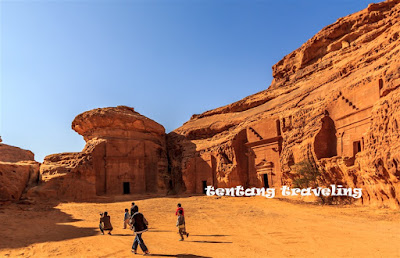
(333, 102)
(18, 172)
(125, 153)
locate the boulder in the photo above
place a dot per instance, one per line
(18, 172)
(10, 153)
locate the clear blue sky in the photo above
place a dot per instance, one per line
(167, 59)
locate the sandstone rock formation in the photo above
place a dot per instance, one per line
(125, 152)
(333, 102)
(10, 153)
(18, 171)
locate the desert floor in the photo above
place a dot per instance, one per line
(219, 227)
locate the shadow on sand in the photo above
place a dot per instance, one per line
(48, 224)
(157, 230)
(130, 235)
(210, 242)
(179, 255)
(211, 235)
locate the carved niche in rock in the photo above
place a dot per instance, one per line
(265, 144)
(347, 119)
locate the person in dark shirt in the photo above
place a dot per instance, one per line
(105, 223)
(139, 225)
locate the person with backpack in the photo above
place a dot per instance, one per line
(139, 225)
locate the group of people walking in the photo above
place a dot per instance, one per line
(138, 223)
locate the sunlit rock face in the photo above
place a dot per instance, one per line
(18, 171)
(10, 153)
(125, 153)
(334, 102)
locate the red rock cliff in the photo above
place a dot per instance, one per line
(333, 102)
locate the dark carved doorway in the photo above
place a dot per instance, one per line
(265, 177)
(127, 188)
(356, 147)
(325, 141)
(204, 187)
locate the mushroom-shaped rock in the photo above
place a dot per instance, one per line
(125, 153)
(120, 122)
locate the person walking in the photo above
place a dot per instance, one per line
(180, 223)
(126, 218)
(139, 225)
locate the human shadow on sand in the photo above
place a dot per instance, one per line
(211, 235)
(210, 242)
(130, 235)
(158, 230)
(179, 255)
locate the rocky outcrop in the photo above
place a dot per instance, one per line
(333, 102)
(68, 175)
(375, 169)
(18, 172)
(10, 153)
(120, 122)
(125, 152)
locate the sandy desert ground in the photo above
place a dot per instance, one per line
(219, 227)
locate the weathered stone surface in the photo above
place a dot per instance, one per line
(125, 152)
(10, 153)
(15, 178)
(18, 171)
(120, 122)
(333, 101)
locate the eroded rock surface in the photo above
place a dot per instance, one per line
(333, 102)
(10, 153)
(125, 152)
(18, 172)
